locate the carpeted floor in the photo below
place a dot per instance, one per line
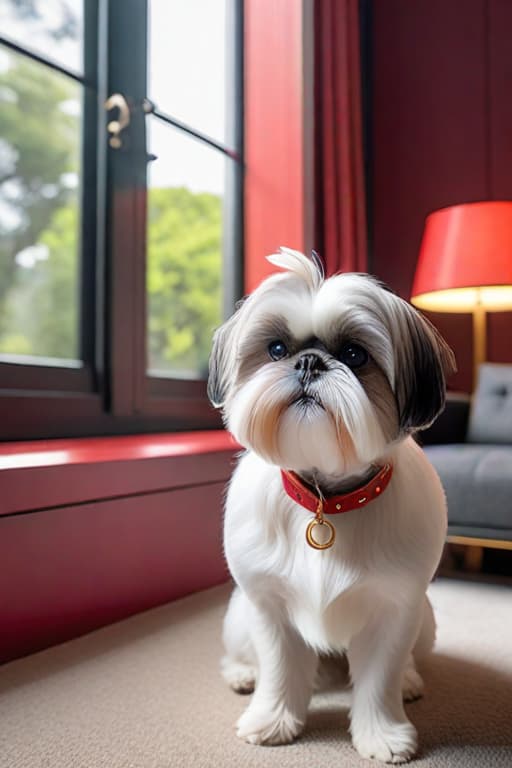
(146, 693)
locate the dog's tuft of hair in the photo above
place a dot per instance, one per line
(310, 270)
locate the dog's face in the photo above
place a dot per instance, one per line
(325, 374)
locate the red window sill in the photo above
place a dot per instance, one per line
(45, 474)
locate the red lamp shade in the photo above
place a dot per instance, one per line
(465, 259)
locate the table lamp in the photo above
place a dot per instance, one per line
(465, 265)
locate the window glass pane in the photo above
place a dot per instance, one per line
(50, 28)
(187, 61)
(40, 137)
(184, 242)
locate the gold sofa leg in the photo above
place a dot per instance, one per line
(473, 557)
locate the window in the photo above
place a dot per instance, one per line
(120, 210)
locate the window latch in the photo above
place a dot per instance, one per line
(115, 127)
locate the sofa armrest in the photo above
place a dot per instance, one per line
(452, 424)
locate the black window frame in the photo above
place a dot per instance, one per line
(112, 392)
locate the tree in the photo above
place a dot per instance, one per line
(43, 308)
(39, 150)
(64, 17)
(39, 144)
(184, 277)
(184, 284)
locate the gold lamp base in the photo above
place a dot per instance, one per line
(479, 340)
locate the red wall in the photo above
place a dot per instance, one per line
(442, 128)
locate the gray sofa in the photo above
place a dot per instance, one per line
(470, 445)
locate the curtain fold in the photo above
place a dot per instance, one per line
(340, 215)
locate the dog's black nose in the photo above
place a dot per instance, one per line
(309, 366)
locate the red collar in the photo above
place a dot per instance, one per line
(335, 505)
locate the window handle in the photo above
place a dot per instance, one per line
(114, 127)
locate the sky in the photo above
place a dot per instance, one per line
(187, 80)
(186, 74)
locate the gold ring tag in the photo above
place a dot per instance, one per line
(323, 527)
(327, 536)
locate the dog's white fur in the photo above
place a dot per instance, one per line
(366, 595)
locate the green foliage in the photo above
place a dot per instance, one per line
(183, 284)
(42, 309)
(40, 142)
(183, 277)
(58, 287)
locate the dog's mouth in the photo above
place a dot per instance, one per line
(307, 400)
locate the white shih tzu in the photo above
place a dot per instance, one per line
(335, 520)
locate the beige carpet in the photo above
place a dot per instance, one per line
(146, 693)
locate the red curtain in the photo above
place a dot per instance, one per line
(340, 213)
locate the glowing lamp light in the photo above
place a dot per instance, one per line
(465, 264)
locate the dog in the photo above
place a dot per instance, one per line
(335, 520)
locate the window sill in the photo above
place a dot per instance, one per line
(53, 473)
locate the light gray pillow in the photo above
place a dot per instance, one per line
(490, 419)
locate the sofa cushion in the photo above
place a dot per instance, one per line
(490, 419)
(478, 483)
(478, 532)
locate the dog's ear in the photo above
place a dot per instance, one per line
(423, 362)
(223, 359)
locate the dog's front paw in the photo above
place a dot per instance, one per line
(274, 727)
(388, 742)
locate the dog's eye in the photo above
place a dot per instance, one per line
(277, 350)
(353, 355)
